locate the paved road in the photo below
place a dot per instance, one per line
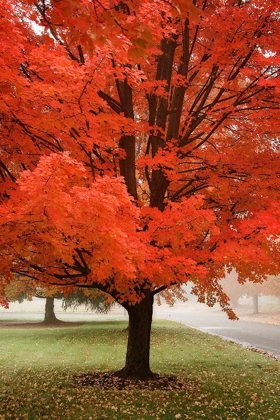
(265, 337)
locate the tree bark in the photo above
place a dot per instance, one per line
(50, 317)
(256, 303)
(137, 363)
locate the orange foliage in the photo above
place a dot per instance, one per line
(140, 144)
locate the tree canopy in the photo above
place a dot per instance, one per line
(140, 144)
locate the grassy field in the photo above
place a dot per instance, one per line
(225, 380)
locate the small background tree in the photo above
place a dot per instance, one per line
(236, 290)
(93, 300)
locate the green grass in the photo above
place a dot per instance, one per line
(37, 368)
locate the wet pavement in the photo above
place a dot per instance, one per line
(265, 337)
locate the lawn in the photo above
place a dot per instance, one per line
(223, 380)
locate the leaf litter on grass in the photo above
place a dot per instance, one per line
(111, 381)
(220, 380)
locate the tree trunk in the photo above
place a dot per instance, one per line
(50, 317)
(137, 363)
(256, 303)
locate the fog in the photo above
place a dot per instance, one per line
(268, 310)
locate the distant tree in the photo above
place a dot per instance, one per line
(50, 317)
(235, 290)
(93, 300)
(271, 287)
(20, 290)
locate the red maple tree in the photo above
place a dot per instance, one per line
(140, 149)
